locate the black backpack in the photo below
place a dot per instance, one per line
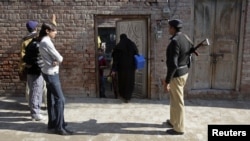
(32, 56)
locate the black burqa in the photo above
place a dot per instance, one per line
(124, 65)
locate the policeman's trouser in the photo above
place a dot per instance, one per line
(177, 109)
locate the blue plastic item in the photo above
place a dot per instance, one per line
(139, 61)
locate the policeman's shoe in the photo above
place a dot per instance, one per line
(173, 132)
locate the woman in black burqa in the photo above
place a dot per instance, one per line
(124, 66)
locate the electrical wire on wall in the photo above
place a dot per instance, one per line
(173, 7)
(167, 13)
(158, 35)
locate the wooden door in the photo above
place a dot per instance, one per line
(136, 30)
(218, 20)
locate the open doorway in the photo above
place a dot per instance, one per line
(107, 41)
(107, 30)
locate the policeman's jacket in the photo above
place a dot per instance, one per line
(177, 54)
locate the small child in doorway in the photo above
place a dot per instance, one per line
(102, 65)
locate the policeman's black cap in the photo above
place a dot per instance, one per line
(176, 23)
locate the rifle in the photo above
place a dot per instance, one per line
(205, 42)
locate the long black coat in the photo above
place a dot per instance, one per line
(124, 65)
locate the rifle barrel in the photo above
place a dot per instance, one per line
(199, 45)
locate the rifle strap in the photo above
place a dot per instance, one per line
(189, 40)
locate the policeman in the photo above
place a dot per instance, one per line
(177, 55)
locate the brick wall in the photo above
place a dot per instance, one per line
(75, 39)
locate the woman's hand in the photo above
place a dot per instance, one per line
(53, 19)
(55, 63)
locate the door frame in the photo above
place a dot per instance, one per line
(126, 17)
(239, 55)
(241, 41)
